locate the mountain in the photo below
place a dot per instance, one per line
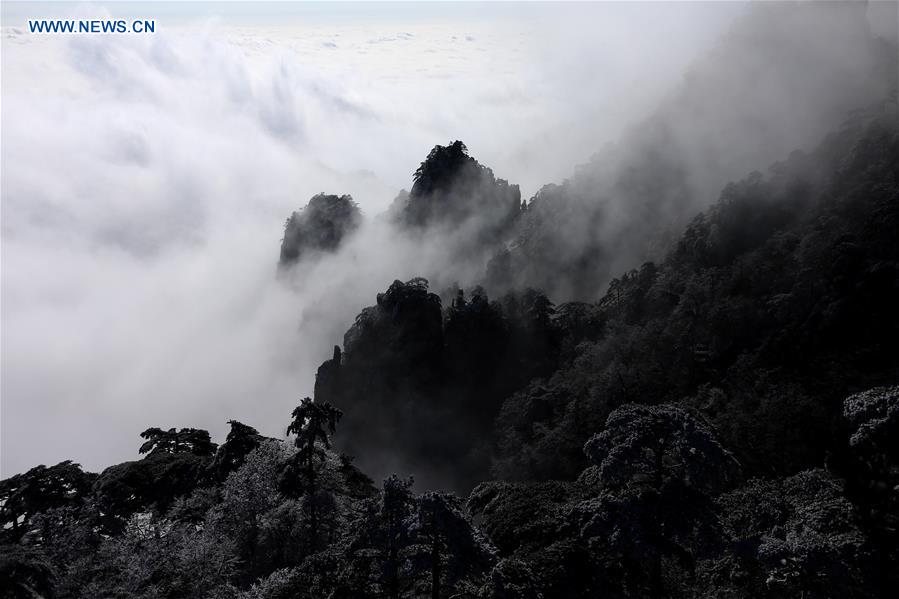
(785, 277)
(422, 383)
(701, 401)
(779, 80)
(721, 423)
(451, 188)
(772, 306)
(319, 227)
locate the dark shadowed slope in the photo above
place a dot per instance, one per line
(773, 305)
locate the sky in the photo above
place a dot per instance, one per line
(146, 180)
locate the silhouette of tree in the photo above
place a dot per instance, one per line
(185, 440)
(241, 440)
(313, 423)
(450, 188)
(38, 490)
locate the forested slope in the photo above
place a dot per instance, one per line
(718, 424)
(575, 421)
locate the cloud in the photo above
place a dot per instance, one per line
(146, 180)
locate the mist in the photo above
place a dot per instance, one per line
(146, 182)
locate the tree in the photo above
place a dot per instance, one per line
(313, 423)
(186, 440)
(451, 552)
(39, 490)
(511, 579)
(249, 495)
(872, 469)
(396, 510)
(526, 522)
(450, 188)
(874, 420)
(657, 469)
(25, 573)
(539, 308)
(377, 551)
(152, 483)
(539, 334)
(241, 440)
(651, 447)
(792, 537)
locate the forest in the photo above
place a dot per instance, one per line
(721, 421)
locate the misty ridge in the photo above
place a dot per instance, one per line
(462, 226)
(672, 374)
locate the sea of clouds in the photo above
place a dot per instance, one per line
(146, 179)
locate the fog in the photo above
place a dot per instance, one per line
(146, 180)
(782, 77)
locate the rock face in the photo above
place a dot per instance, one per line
(320, 227)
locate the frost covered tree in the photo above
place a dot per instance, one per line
(656, 471)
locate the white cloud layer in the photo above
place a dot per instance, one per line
(145, 181)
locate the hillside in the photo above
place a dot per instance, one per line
(696, 432)
(674, 375)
